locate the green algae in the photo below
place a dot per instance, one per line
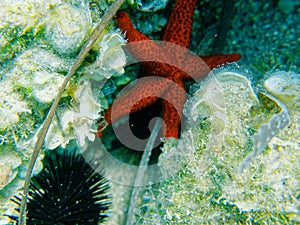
(171, 202)
(31, 79)
(210, 188)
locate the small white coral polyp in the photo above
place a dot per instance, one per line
(111, 59)
(77, 122)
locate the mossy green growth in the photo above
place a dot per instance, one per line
(209, 186)
(39, 41)
(21, 24)
(61, 25)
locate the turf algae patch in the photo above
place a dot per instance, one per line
(209, 188)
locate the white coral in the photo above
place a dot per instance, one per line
(285, 86)
(111, 59)
(214, 100)
(76, 122)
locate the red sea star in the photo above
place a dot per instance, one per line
(178, 31)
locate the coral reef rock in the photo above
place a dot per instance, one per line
(224, 116)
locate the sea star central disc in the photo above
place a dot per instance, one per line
(169, 59)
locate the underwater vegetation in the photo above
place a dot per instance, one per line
(237, 159)
(30, 80)
(210, 156)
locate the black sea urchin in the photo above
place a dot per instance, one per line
(66, 192)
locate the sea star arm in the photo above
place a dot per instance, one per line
(154, 57)
(139, 45)
(125, 24)
(217, 60)
(144, 93)
(172, 111)
(198, 67)
(179, 27)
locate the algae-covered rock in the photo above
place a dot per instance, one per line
(28, 87)
(61, 25)
(287, 6)
(266, 34)
(21, 20)
(76, 122)
(227, 122)
(39, 40)
(67, 26)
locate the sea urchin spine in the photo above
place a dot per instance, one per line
(67, 191)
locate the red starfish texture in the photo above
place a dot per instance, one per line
(146, 92)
